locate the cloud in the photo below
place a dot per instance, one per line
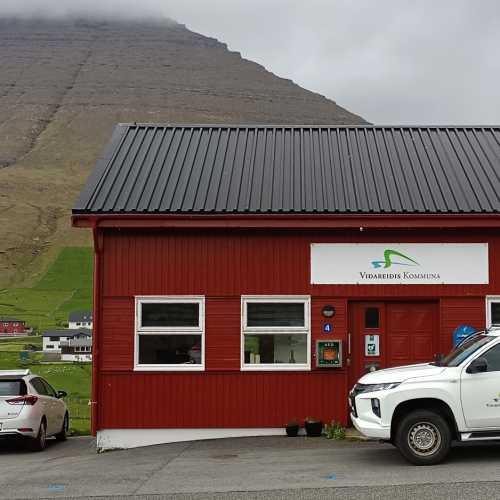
(100, 9)
(390, 61)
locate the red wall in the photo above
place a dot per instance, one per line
(222, 266)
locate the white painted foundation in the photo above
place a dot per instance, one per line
(110, 439)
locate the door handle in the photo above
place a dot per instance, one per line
(349, 344)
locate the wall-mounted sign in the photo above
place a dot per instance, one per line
(372, 345)
(327, 328)
(329, 353)
(398, 263)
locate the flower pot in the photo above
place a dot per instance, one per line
(314, 428)
(292, 430)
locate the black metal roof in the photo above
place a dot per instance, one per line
(80, 316)
(68, 332)
(210, 169)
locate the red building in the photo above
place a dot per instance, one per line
(11, 326)
(246, 276)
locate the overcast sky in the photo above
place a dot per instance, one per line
(391, 61)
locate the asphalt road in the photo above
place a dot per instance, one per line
(246, 468)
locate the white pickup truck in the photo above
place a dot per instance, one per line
(422, 408)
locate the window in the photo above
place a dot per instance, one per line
(12, 387)
(493, 358)
(492, 311)
(39, 387)
(54, 339)
(170, 333)
(48, 388)
(372, 317)
(49, 346)
(275, 333)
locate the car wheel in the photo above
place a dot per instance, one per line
(423, 438)
(40, 442)
(61, 436)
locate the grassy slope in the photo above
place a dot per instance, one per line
(66, 286)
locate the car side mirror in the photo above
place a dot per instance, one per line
(479, 365)
(61, 394)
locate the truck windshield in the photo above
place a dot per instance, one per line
(464, 350)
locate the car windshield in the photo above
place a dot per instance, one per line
(464, 350)
(12, 388)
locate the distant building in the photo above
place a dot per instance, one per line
(70, 344)
(12, 326)
(79, 348)
(80, 319)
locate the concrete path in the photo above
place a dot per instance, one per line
(245, 468)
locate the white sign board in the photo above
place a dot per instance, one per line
(399, 263)
(372, 345)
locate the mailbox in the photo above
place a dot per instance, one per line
(329, 353)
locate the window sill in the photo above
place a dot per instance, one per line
(274, 368)
(169, 368)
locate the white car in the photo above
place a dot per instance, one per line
(422, 408)
(31, 409)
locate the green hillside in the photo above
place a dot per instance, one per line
(65, 287)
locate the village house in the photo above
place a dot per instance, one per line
(80, 319)
(249, 275)
(68, 344)
(12, 326)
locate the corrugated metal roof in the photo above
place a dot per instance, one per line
(289, 169)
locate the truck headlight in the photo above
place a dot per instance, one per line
(378, 387)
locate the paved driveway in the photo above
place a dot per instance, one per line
(249, 468)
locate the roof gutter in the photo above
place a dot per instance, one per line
(288, 221)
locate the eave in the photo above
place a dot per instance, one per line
(288, 221)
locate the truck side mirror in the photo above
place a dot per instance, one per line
(479, 365)
(438, 358)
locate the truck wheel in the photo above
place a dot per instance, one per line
(423, 437)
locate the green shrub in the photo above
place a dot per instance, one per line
(334, 431)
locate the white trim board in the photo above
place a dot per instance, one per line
(109, 439)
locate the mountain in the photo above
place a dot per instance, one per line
(64, 84)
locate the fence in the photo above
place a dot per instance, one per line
(79, 415)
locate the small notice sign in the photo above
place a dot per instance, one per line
(372, 345)
(328, 353)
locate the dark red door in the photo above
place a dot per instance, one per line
(411, 332)
(366, 319)
(385, 334)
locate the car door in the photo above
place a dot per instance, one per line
(58, 408)
(480, 393)
(45, 400)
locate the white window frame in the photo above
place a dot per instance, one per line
(164, 330)
(489, 300)
(276, 330)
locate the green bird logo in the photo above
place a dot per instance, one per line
(389, 255)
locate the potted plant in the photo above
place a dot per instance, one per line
(313, 426)
(292, 428)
